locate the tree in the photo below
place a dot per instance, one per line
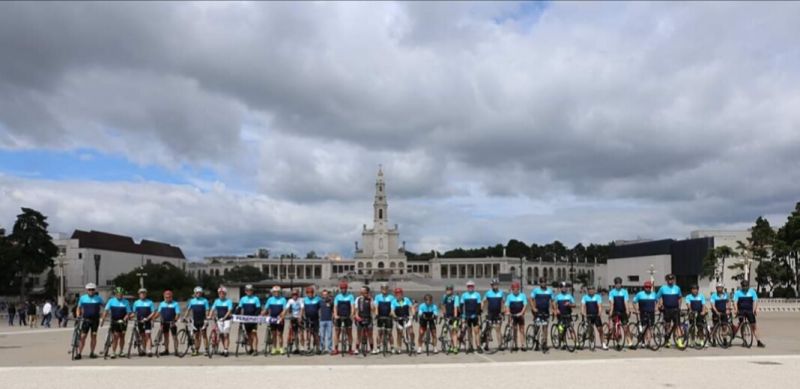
(715, 260)
(160, 276)
(244, 273)
(312, 255)
(771, 273)
(517, 249)
(6, 276)
(582, 278)
(32, 248)
(789, 237)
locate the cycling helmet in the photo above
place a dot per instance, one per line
(295, 292)
(542, 280)
(495, 281)
(669, 277)
(449, 287)
(384, 286)
(398, 290)
(470, 283)
(745, 283)
(222, 289)
(343, 285)
(276, 288)
(119, 290)
(248, 287)
(309, 289)
(719, 285)
(648, 284)
(91, 285)
(693, 287)
(142, 290)
(617, 281)
(515, 284)
(563, 284)
(198, 289)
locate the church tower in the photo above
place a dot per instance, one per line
(380, 205)
(380, 254)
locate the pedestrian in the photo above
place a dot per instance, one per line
(12, 311)
(22, 315)
(326, 322)
(64, 313)
(31, 314)
(47, 314)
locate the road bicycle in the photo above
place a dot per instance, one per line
(563, 333)
(586, 333)
(405, 327)
(743, 330)
(293, 339)
(158, 340)
(697, 333)
(486, 334)
(670, 332)
(344, 340)
(110, 337)
(466, 335)
(364, 334)
(510, 338)
(449, 326)
(536, 333)
(75, 342)
(616, 333)
(137, 340)
(428, 334)
(647, 335)
(385, 333)
(721, 331)
(186, 338)
(311, 338)
(243, 340)
(214, 337)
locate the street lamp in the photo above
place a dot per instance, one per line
(60, 281)
(522, 270)
(652, 273)
(141, 275)
(97, 270)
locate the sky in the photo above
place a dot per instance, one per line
(226, 127)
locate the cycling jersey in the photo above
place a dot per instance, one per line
(364, 307)
(384, 304)
(541, 297)
(646, 301)
(745, 300)
(199, 308)
(592, 303)
(91, 306)
(169, 311)
(250, 305)
(428, 311)
(670, 296)
(343, 304)
(143, 308)
(275, 306)
(295, 307)
(696, 303)
(720, 302)
(563, 301)
(222, 307)
(119, 308)
(516, 302)
(311, 306)
(618, 298)
(401, 308)
(450, 302)
(494, 301)
(471, 303)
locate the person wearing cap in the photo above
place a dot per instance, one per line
(343, 311)
(696, 302)
(382, 309)
(591, 303)
(169, 311)
(493, 305)
(294, 311)
(144, 310)
(275, 310)
(402, 311)
(311, 308)
(223, 308)
(250, 305)
(515, 304)
(119, 309)
(326, 321)
(450, 305)
(363, 316)
(542, 305)
(565, 301)
(89, 307)
(745, 306)
(619, 306)
(471, 313)
(670, 302)
(720, 304)
(428, 313)
(198, 307)
(645, 303)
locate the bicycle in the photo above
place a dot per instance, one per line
(536, 333)
(744, 331)
(385, 333)
(363, 337)
(213, 337)
(405, 326)
(646, 336)
(243, 340)
(616, 333)
(485, 335)
(344, 340)
(563, 333)
(697, 332)
(75, 343)
(137, 340)
(186, 338)
(293, 339)
(448, 325)
(680, 340)
(110, 336)
(722, 331)
(586, 334)
(311, 340)
(427, 337)
(159, 339)
(268, 334)
(510, 334)
(466, 336)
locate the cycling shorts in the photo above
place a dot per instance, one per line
(518, 320)
(672, 316)
(426, 323)
(750, 316)
(647, 318)
(385, 322)
(311, 324)
(145, 327)
(169, 327)
(118, 327)
(594, 320)
(344, 321)
(494, 318)
(473, 321)
(250, 327)
(275, 325)
(366, 322)
(198, 325)
(90, 325)
(622, 315)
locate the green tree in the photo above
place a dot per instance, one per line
(32, 248)
(244, 273)
(517, 249)
(789, 237)
(160, 276)
(715, 260)
(312, 255)
(6, 276)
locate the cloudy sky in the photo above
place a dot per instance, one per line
(227, 127)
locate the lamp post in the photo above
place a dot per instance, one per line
(141, 275)
(97, 270)
(652, 273)
(522, 270)
(60, 281)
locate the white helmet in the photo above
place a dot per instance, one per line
(198, 289)
(91, 285)
(276, 288)
(222, 289)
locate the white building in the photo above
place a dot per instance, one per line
(380, 253)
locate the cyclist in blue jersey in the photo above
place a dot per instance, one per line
(144, 311)
(363, 317)
(222, 309)
(428, 312)
(542, 305)
(493, 305)
(591, 303)
(275, 310)
(564, 301)
(119, 309)
(294, 312)
(471, 312)
(382, 309)
(198, 307)
(745, 306)
(89, 307)
(720, 304)
(645, 305)
(250, 305)
(450, 305)
(169, 311)
(696, 302)
(344, 305)
(311, 310)
(670, 302)
(402, 311)
(515, 304)
(618, 307)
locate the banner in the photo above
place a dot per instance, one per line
(250, 319)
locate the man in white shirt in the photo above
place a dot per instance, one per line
(47, 313)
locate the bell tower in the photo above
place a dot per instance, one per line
(380, 205)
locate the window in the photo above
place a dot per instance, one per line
(380, 265)
(80, 255)
(149, 261)
(633, 278)
(380, 214)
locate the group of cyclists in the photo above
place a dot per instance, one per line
(325, 323)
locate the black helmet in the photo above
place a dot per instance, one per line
(542, 280)
(745, 283)
(617, 280)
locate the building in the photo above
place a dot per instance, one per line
(94, 256)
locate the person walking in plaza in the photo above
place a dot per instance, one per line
(63, 318)
(31, 308)
(47, 314)
(22, 314)
(12, 311)
(326, 322)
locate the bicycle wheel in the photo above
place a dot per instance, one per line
(507, 339)
(268, 342)
(723, 335)
(531, 337)
(132, 341)
(408, 339)
(570, 339)
(651, 336)
(76, 341)
(107, 345)
(697, 336)
(364, 343)
(582, 335)
(486, 339)
(241, 341)
(681, 340)
(746, 333)
(590, 338)
(157, 342)
(444, 337)
(185, 342)
(555, 336)
(427, 340)
(213, 340)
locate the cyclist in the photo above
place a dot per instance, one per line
(223, 307)
(119, 308)
(364, 317)
(720, 304)
(169, 311)
(618, 307)
(402, 311)
(542, 305)
(450, 305)
(471, 312)
(515, 309)
(250, 305)
(344, 307)
(311, 307)
(746, 306)
(428, 312)
(646, 301)
(294, 309)
(144, 310)
(198, 307)
(493, 305)
(382, 308)
(670, 302)
(590, 308)
(564, 303)
(696, 302)
(89, 307)
(275, 309)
